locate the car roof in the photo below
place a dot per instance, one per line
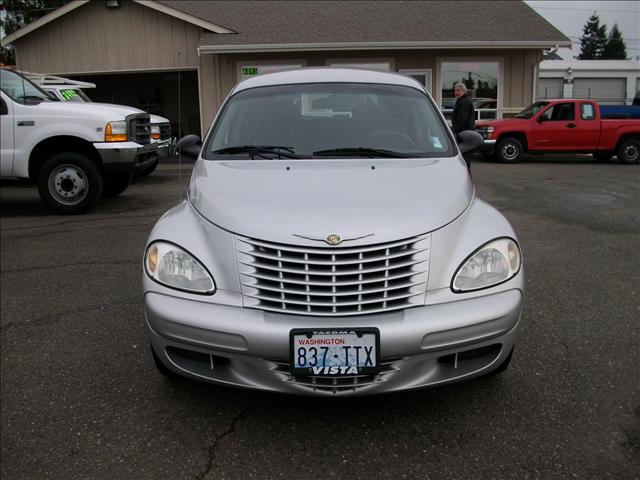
(327, 75)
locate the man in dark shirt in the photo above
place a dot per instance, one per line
(463, 117)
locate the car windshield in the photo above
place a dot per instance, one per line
(531, 110)
(21, 90)
(328, 120)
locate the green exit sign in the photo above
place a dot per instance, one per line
(246, 71)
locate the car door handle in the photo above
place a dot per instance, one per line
(571, 125)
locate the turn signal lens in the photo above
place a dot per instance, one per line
(152, 259)
(155, 132)
(116, 132)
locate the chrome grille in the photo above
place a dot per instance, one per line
(333, 281)
(340, 384)
(139, 128)
(165, 131)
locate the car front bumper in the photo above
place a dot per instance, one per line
(163, 148)
(419, 346)
(126, 157)
(489, 147)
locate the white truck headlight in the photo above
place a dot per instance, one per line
(116, 132)
(173, 267)
(492, 264)
(155, 132)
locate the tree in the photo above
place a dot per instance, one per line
(593, 40)
(15, 14)
(615, 49)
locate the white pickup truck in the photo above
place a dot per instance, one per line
(69, 90)
(74, 152)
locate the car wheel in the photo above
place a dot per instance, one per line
(162, 367)
(602, 156)
(69, 183)
(629, 151)
(115, 184)
(510, 150)
(149, 170)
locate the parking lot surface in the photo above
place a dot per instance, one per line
(81, 398)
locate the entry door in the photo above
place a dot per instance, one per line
(6, 136)
(555, 128)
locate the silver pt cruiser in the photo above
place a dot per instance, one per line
(331, 243)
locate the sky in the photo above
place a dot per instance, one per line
(570, 18)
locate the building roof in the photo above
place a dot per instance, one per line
(320, 24)
(278, 25)
(581, 65)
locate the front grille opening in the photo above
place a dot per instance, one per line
(335, 385)
(182, 357)
(333, 280)
(483, 354)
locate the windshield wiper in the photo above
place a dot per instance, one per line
(360, 152)
(254, 150)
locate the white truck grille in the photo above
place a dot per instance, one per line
(333, 281)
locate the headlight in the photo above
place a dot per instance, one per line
(171, 266)
(486, 132)
(116, 132)
(493, 263)
(155, 132)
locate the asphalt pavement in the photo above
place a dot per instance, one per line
(81, 398)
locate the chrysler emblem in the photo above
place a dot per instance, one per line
(333, 239)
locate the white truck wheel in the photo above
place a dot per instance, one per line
(69, 183)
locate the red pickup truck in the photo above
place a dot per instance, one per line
(562, 126)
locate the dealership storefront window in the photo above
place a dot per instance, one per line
(481, 79)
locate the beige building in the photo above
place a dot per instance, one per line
(181, 58)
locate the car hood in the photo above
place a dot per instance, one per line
(511, 122)
(367, 200)
(105, 111)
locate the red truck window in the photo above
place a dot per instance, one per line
(587, 112)
(559, 112)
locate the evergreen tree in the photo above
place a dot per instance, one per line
(593, 40)
(615, 49)
(15, 14)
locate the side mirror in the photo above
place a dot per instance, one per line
(189, 146)
(469, 141)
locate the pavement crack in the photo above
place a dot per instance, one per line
(58, 316)
(216, 443)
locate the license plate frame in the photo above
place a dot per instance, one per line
(336, 339)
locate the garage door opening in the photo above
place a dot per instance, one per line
(155, 93)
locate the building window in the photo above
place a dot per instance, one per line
(423, 76)
(480, 78)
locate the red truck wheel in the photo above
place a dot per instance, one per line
(629, 151)
(509, 150)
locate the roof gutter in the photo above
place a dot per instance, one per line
(308, 47)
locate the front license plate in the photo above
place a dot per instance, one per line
(335, 353)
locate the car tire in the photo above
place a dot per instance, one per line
(149, 170)
(69, 183)
(115, 184)
(602, 156)
(162, 368)
(629, 151)
(510, 150)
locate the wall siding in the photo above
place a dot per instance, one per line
(218, 73)
(94, 38)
